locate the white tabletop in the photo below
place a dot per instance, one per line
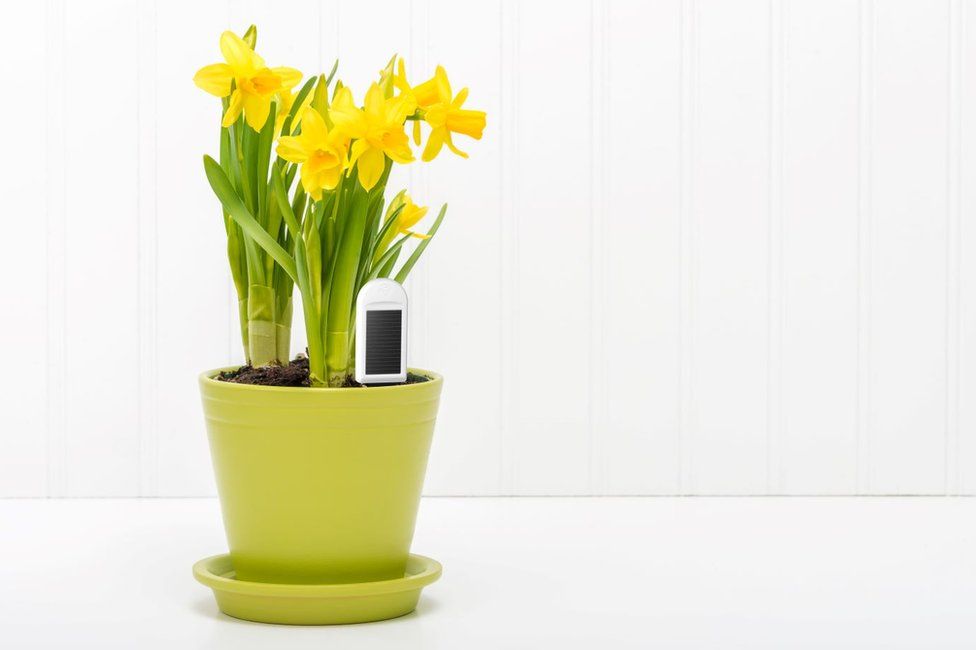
(526, 573)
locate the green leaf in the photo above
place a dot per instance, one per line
(314, 252)
(235, 255)
(274, 221)
(281, 196)
(298, 203)
(249, 167)
(238, 211)
(235, 250)
(343, 278)
(387, 268)
(230, 164)
(408, 265)
(342, 282)
(290, 175)
(386, 233)
(388, 258)
(365, 255)
(335, 66)
(299, 100)
(308, 264)
(261, 164)
(226, 154)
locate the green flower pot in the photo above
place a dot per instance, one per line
(319, 485)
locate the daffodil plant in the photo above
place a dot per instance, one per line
(331, 230)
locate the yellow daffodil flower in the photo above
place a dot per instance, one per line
(321, 153)
(409, 216)
(254, 84)
(377, 130)
(428, 93)
(285, 101)
(445, 114)
(400, 82)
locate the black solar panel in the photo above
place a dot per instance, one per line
(383, 341)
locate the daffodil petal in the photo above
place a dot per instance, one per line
(329, 178)
(397, 146)
(434, 143)
(460, 99)
(290, 148)
(313, 127)
(256, 110)
(416, 132)
(309, 183)
(443, 85)
(465, 122)
(265, 82)
(239, 55)
(426, 93)
(450, 145)
(359, 147)
(338, 140)
(371, 164)
(410, 215)
(373, 103)
(400, 80)
(399, 107)
(345, 116)
(290, 77)
(215, 79)
(234, 109)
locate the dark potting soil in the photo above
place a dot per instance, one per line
(294, 374)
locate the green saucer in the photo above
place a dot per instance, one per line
(336, 604)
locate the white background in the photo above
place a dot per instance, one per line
(704, 247)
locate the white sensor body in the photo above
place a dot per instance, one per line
(381, 333)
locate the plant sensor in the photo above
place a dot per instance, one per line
(381, 333)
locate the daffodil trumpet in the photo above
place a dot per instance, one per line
(309, 212)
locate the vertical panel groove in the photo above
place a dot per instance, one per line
(418, 181)
(55, 216)
(604, 407)
(235, 350)
(964, 267)
(508, 252)
(953, 322)
(864, 212)
(147, 235)
(597, 292)
(774, 275)
(687, 170)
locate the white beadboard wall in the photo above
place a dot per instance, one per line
(705, 247)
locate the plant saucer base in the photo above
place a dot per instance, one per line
(329, 604)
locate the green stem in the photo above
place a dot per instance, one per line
(242, 321)
(261, 329)
(242, 165)
(337, 357)
(283, 332)
(262, 342)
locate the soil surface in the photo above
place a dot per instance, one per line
(294, 374)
